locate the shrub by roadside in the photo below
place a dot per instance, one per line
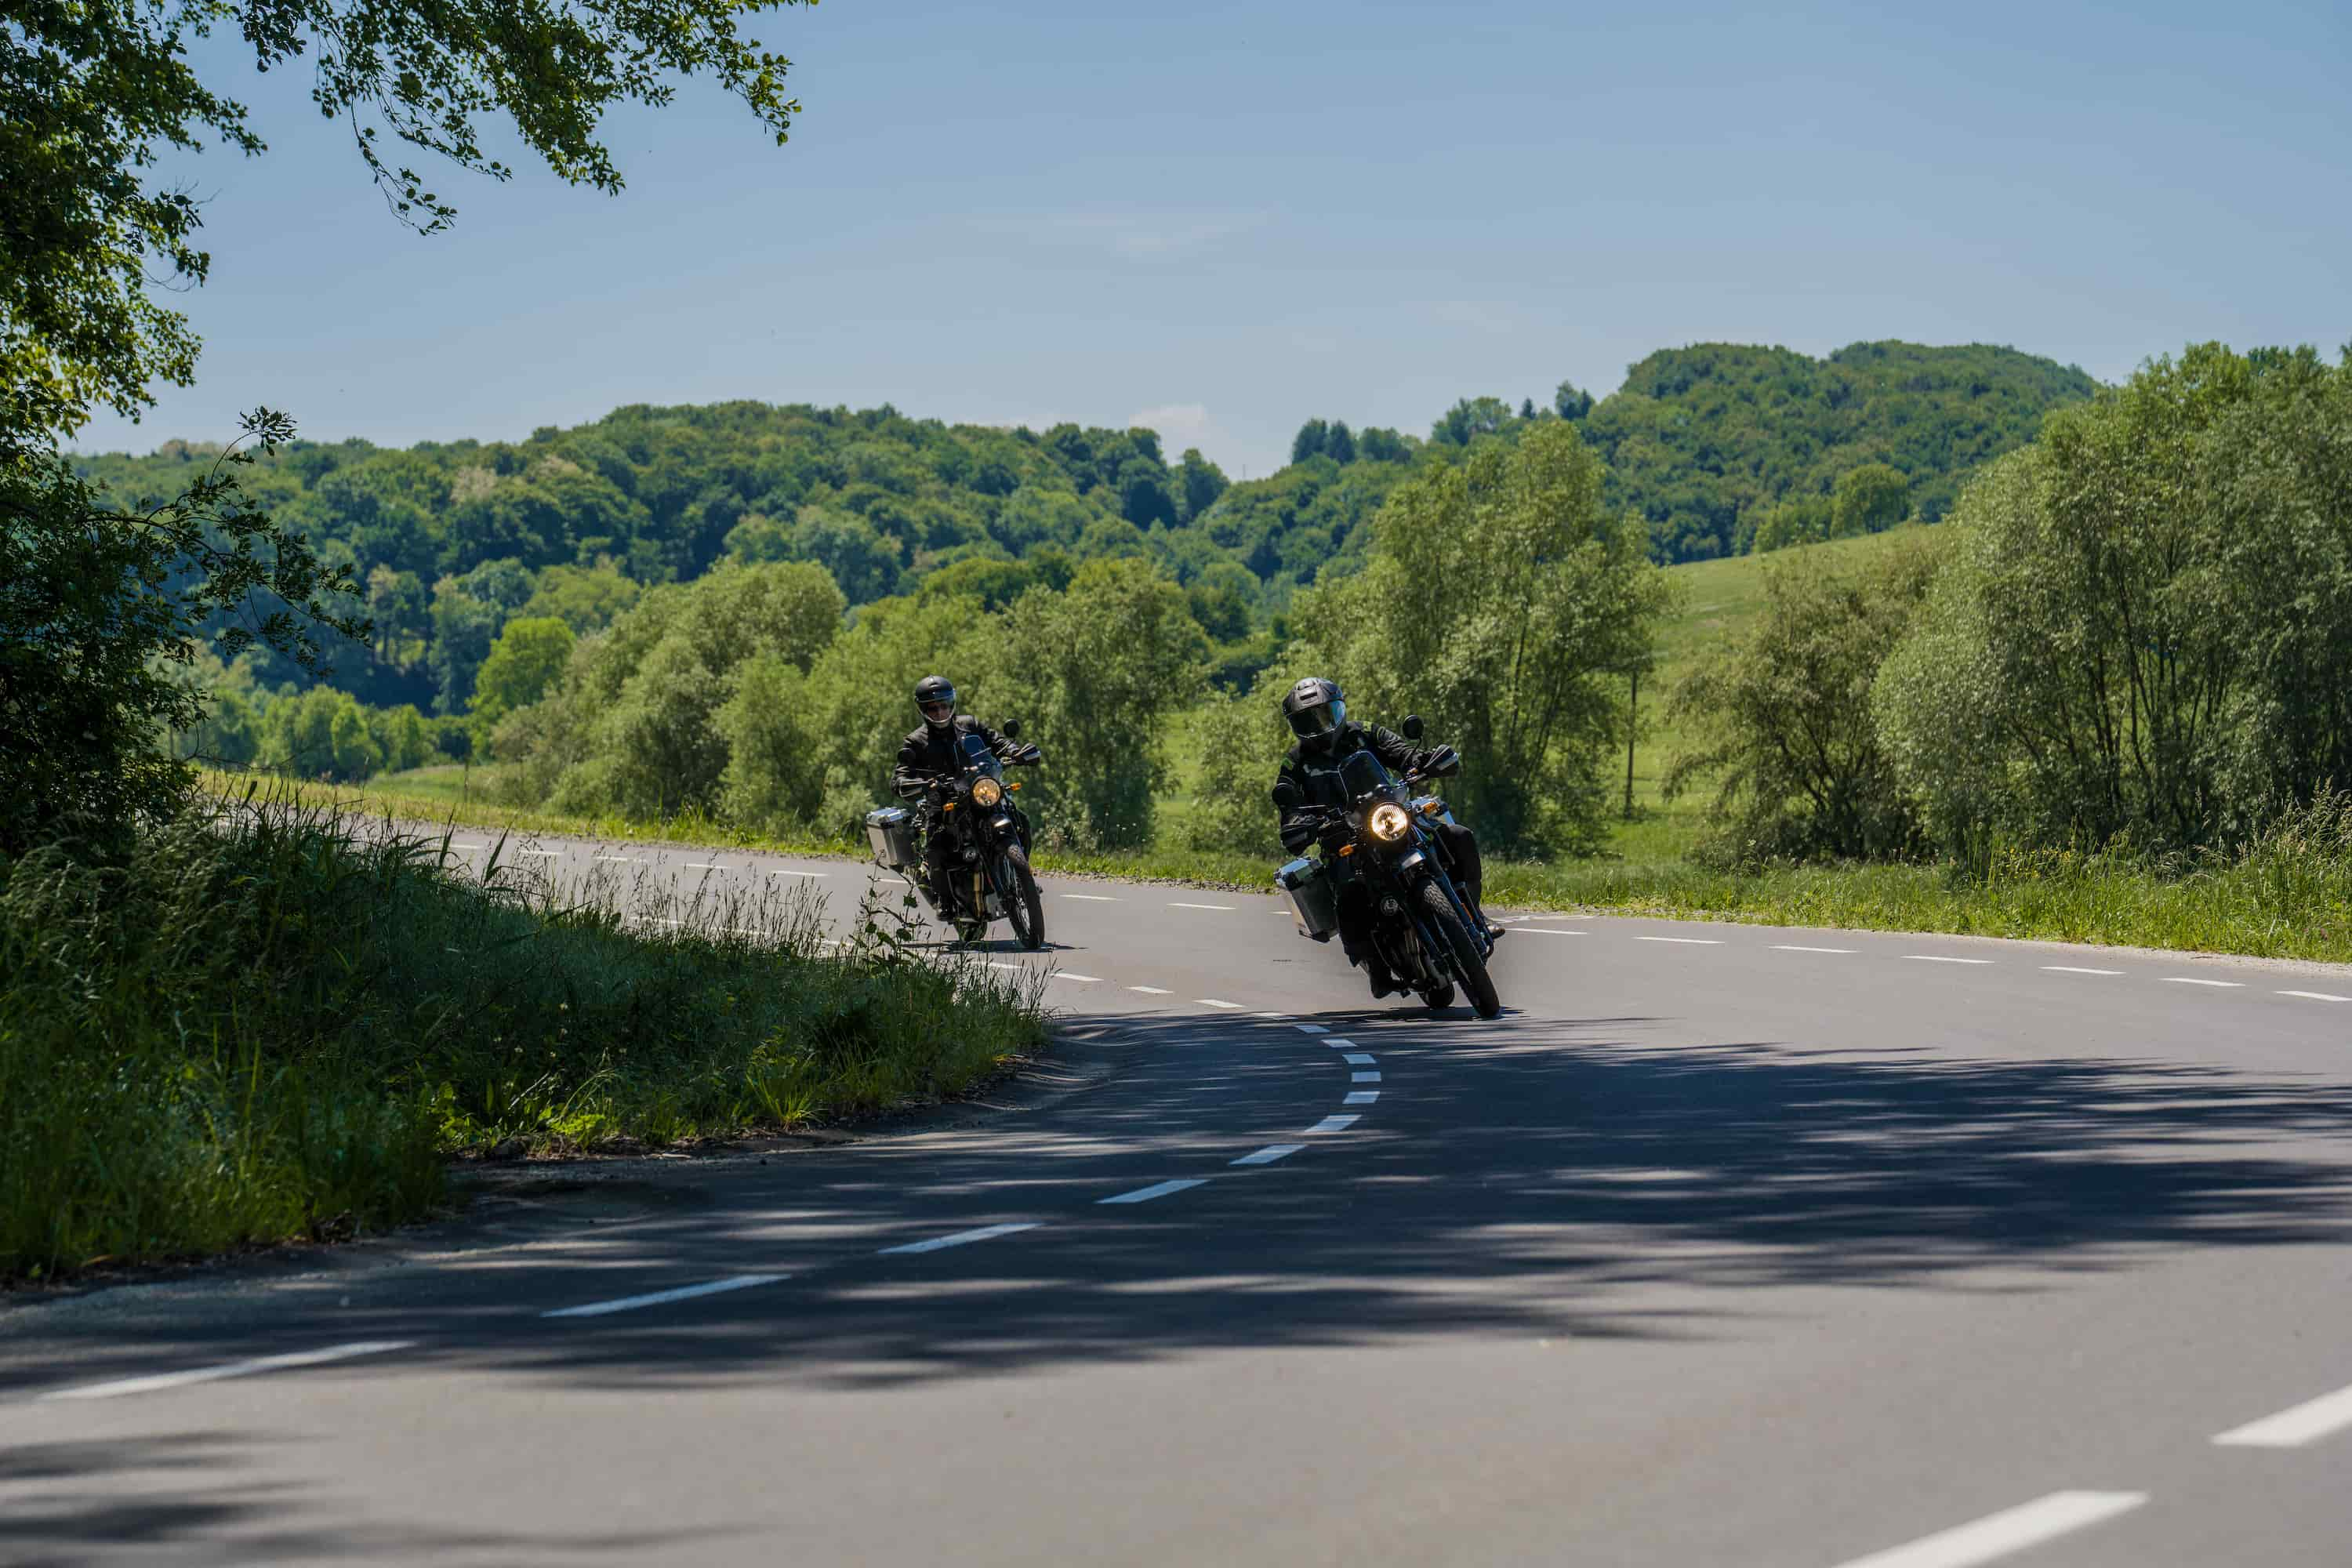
(272, 1024)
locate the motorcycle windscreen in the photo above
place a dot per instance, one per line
(977, 755)
(1362, 773)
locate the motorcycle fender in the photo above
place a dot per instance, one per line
(1002, 825)
(1418, 857)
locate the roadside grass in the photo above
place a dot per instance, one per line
(276, 1021)
(2287, 896)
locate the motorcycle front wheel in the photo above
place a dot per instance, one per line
(1023, 904)
(1469, 964)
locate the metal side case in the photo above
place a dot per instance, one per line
(1312, 898)
(891, 832)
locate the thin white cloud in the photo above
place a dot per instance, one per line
(1133, 235)
(1180, 424)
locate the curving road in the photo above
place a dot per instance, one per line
(1725, 1244)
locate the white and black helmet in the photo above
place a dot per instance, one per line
(936, 698)
(1315, 709)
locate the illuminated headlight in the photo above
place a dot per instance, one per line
(1388, 821)
(986, 792)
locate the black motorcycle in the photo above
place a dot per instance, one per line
(987, 873)
(1423, 927)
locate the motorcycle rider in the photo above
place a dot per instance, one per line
(1308, 784)
(931, 756)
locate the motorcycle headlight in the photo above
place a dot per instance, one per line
(986, 792)
(1388, 821)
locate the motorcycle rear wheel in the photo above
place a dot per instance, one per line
(1469, 964)
(1023, 902)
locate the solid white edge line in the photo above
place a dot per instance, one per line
(1685, 941)
(2316, 996)
(1361, 1096)
(1157, 1190)
(1363, 1077)
(1269, 1154)
(2192, 980)
(1791, 947)
(1358, 1059)
(1335, 1124)
(660, 1298)
(1152, 990)
(163, 1380)
(2077, 969)
(958, 1238)
(1939, 958)
(2000, 1534)
(2295, 1427)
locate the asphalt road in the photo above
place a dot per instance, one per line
(1726, 1244)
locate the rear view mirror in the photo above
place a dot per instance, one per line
(1013, 728)
(1412, 726)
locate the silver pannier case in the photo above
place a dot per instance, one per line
(891, 831)
(1312, 897)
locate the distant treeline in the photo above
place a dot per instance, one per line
(1717, 448)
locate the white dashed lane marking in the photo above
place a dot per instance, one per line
(2316, 996)
(1310, 1028)
(2192, 980)
(1793, 947)
(699, 866)
(266, 1363)
(1335, 1124)
(1159, 1190)
(1684, 940)
(661, 1298)
(1269, 1154)
(1221, 909)
(2077, 969)
(1362, 1077)
(1085, 978)
(2000, 1534)
(1091, 898)
(2305, 1423)
(960, 1239)
(1219, 1007)
(1939, 958)
(789, 873)
(1361, 1096)
(1152, 990)
(542, 853)
(619, 859)
(1547, 931)
(1357, 1059)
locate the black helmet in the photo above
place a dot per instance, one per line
(936, 697)
(1315, 709)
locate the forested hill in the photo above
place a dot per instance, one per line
(1701, 440)
(453, 539)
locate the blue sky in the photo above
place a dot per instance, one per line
(1221, 220)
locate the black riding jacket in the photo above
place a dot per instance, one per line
(1316, 774)
(929, 755)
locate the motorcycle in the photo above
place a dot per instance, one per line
(1422, 928)
(988, 863)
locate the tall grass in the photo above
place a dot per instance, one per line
(273, 1023)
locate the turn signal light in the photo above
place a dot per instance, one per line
(1432, 807)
